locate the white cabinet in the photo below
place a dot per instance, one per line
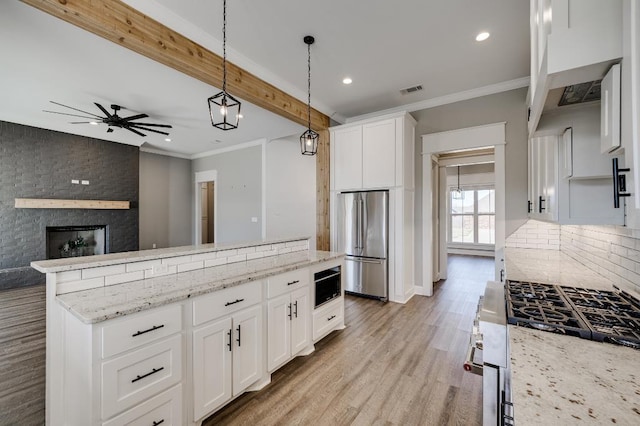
(373, 154)
(226, 346)
(327, 318)
(543, 166)
(347, 164)
(571, 42)
(379, 154)
(289, 330)
(610, 110)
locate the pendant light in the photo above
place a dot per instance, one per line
(457, 193)
(309, 139)
(223, 106)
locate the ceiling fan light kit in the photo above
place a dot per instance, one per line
(309, 139)
(222, 106)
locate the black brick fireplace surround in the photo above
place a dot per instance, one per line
(38, 163)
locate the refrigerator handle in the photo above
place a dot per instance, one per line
(356, 202)
(363, 260)
(361, 226)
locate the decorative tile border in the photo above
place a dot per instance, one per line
(88, 278)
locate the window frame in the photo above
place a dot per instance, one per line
(450, 215)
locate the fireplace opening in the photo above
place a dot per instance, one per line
(74, 241)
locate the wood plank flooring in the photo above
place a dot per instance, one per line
(22, 356)
(393, 364)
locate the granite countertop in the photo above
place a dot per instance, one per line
(551, 267)
(560, 380)
(101, 304)
(73, 263)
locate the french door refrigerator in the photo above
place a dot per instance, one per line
(363, 230)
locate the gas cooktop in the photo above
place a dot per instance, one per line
(601, 315)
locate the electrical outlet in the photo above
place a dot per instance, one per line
(254, 219)
(160, 269)
(75, 181)
(85, 182)
(153, 245)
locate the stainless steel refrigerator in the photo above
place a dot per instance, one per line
(363, 234)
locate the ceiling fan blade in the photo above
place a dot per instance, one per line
(75, 109)
(168, 126)
(80, 122)
(135, 117)
(134, 131)
(148, 130)
(103, 109)
(72, 115)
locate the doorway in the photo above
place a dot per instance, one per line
(206, 207)
(207, 203)
(491, 136)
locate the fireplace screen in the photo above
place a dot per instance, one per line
(74, 241)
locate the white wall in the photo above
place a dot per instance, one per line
(509, 107)
(290, 190)
(238, 192)
(165, 201)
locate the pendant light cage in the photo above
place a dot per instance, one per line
(309, 139)
(224, 109)
(457, 193)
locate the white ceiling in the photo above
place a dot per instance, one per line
(384, 46)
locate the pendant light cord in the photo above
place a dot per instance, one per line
(224, 46)
(309, 85)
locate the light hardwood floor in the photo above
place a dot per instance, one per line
(393, 364)
(22, 356)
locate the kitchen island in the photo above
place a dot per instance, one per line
(172, 335)
(561, 379)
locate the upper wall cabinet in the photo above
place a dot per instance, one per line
(571, 42)
(373, 154)
(610, 111)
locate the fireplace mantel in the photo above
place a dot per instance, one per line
(48, 203)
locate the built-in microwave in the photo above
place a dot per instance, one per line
(328, 285)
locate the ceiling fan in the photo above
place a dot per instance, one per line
(113, 120)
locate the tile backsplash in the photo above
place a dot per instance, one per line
(611, 251)
(536, 235)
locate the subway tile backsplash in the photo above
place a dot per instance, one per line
(535, 234)
(611, 251)
(88, 278)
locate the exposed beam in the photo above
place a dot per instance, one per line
(123, 25)
(322, 191)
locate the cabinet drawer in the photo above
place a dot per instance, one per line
(164, 409)
(327, 317)
(283, 283)
(139, 329)
(224, 302)
(132, 378)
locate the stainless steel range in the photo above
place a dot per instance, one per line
(601, 315)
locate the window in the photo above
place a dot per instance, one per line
(473, 216)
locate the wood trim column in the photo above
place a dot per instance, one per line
(323, 168)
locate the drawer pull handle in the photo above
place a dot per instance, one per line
(331, 317)
(159, 422)
(293, 282)
(234, 302)
(154, 371)
(154, 328)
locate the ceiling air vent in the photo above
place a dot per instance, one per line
(411, 89)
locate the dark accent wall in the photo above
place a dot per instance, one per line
(39, 163)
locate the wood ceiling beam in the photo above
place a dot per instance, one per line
(118, 22)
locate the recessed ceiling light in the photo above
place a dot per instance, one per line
(167, 139)
(347, 80)
(93, 123)
(482, 36)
